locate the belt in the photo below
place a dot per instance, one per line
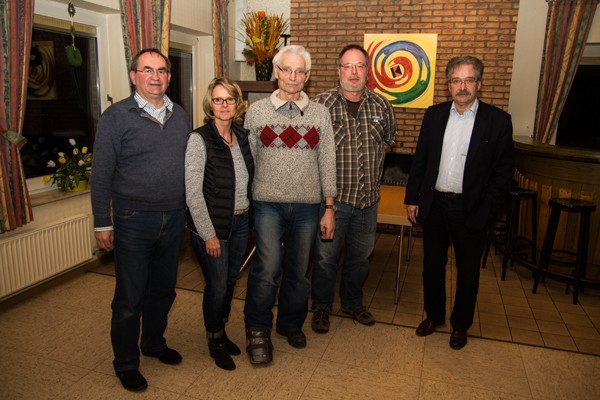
(448, 195)
(241, 211)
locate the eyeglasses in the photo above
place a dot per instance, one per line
(289, 71)
(151, 71)
(349, 66)
(219, 100)
(459, 82)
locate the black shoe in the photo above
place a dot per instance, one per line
(295, 339)
(166, 355)
(320, 318)
(259, 346)
(231, 347)
(427, 327)
(132, 380)
(218, 351)
(458, 339)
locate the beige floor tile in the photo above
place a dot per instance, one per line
(434, 390)
(101, 386)
(526, 336)
(518, 311)
(561, 375)
(482, 364)
(569, 308)
(495, 332)
(522, 323)
(410, 307)
(284, 378)
(494, 298)
(576, 319)
(591, 311)
(408, 320)
(555, 341)
(546, 315)
(493, 319)
(387, 348)
(490, 308)
(515, 301)
(339, 381)
(558, 328)
(28, 376)
(589, 346)
(585, 332)
(542, 304)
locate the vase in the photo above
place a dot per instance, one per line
(264, 71)
(81, 186)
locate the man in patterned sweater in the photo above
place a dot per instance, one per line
(364, 125)
(291, 139)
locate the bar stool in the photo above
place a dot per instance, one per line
(584, 208)
(505, 233)
(514, 241)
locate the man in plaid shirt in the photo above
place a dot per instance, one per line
(364, 125)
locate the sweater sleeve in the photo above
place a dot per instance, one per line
(327, 161)
(195, 161)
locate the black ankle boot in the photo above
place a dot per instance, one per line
(218, 351)
(231, 347)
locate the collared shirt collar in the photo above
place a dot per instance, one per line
(473, 107)
(300, 103)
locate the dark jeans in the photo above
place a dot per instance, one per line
(146, 257)
(285, 233)
(445, 225)
(357, 229)
(220, 273)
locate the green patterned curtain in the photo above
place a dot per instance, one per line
(146, 24)
(15, 37)
(567, 29)
(220, 31)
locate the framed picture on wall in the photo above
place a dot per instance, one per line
(41, 84)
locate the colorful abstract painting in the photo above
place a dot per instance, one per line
(402, 67)
(42, 72)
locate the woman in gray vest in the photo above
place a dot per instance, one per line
(218, 176)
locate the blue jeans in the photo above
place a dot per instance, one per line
(146, 249)
(356, 228)
(220, 274)
(285, 233)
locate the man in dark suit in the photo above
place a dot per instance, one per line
(461, 173)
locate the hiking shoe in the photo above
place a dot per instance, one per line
(320, 319)
(360, 315)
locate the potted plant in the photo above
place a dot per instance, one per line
(72, 172)
(262, 33)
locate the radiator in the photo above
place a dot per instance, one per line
(33, 257)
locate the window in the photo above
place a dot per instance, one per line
(62, 101)
(180, 88)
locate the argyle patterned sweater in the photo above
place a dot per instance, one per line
(294, 150)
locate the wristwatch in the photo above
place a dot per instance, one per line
(331, 207)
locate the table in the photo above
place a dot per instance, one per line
(391, 210)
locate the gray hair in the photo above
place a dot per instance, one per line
(294, 49)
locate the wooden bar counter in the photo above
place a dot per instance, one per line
(558, 171)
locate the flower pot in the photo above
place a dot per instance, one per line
(264, 71)
(81, 186)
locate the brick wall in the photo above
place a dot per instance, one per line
(483, 28)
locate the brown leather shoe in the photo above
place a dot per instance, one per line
(427, 327)
(458, 339)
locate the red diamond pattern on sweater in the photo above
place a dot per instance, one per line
(290, 137)
(267, 136)
(312, 138)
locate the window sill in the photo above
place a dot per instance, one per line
(51, 196)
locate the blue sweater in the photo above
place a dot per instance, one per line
(138, 163)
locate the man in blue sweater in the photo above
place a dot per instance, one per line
(138, 169)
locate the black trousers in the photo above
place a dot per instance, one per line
(445, 226)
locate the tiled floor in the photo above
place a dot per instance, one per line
(55, 345)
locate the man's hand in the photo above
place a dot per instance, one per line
(327, 224)
(213, 247)
(413, 213)
(105, 239)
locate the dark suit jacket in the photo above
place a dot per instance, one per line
(489, 166)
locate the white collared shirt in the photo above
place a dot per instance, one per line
(454, 150)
